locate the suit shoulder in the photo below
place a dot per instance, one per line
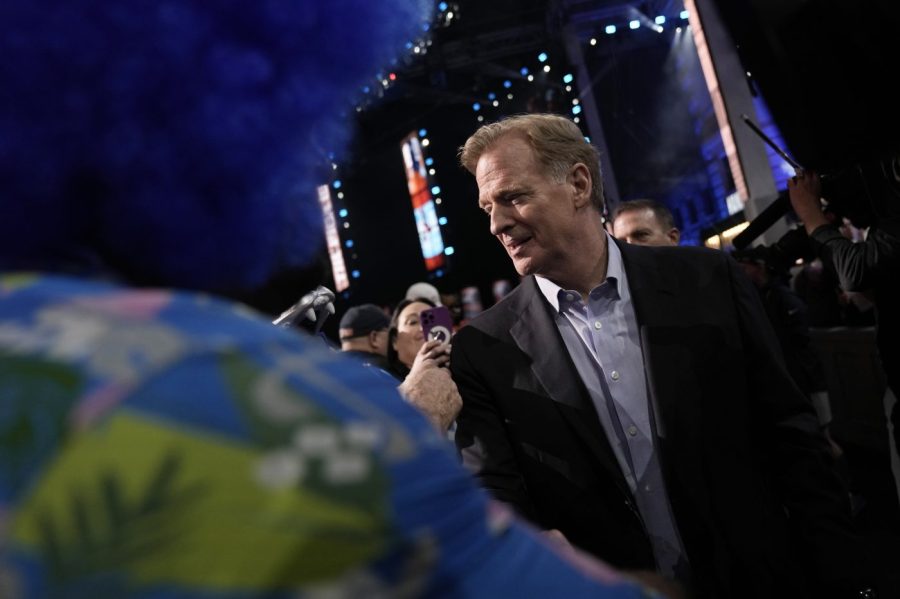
(500, 316)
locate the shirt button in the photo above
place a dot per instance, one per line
(598, 325)
(632, 430)
(614, 374)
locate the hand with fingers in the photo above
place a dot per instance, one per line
(428, 385)
(805, 190)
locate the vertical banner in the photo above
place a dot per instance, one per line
(423, 204)
(333, 240)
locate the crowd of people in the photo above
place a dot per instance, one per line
(624, 421)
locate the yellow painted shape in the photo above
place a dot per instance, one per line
(221, 529)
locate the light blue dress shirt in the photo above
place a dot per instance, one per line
(603, 339)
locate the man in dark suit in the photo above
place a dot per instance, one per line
(634, 398)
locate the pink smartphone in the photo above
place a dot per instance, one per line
(437, 323)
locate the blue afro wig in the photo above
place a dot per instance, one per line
(178, 141)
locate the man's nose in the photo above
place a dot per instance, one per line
(500, 220)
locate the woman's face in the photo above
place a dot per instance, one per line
(409, 333)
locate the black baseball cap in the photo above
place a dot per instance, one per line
(362, 320)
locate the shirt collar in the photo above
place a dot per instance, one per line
(615, 276)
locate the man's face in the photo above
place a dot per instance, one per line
(532, 215)
(641, 227)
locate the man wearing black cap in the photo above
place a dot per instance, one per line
(364, 334)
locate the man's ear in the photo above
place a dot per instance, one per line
(674, 235)
(580, 180)
(373, 338)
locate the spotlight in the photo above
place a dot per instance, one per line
(542, 57)
(610, 29)
(634, 24)
(684, 15)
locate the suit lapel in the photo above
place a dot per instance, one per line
(652, 291)
(672, 386)
(537, 335)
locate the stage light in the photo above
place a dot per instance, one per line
(542, 57)
(568, 88)
(442, 6)
(507, 84)
(476, 106)
(593, 41)
(431, 172)
(449, 250)
(429, 161)
(576, 101)
(634, 24)
(435, 190)
(576, 120)
(355, 274)
(495, 103)
(426, 142)
(610, 29)
(567, 78)
(423, 133)
(509, 96)
(480, 119)
(523, 71)
(492, 96)
(346, 225)
(660, 20)
(684, 15)
(392, 76)
(531, 77)
(342, 213)
(546, 68)
(442, 221)
(348, 243)
(340, 195)
(336, 184)
(576, 109)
